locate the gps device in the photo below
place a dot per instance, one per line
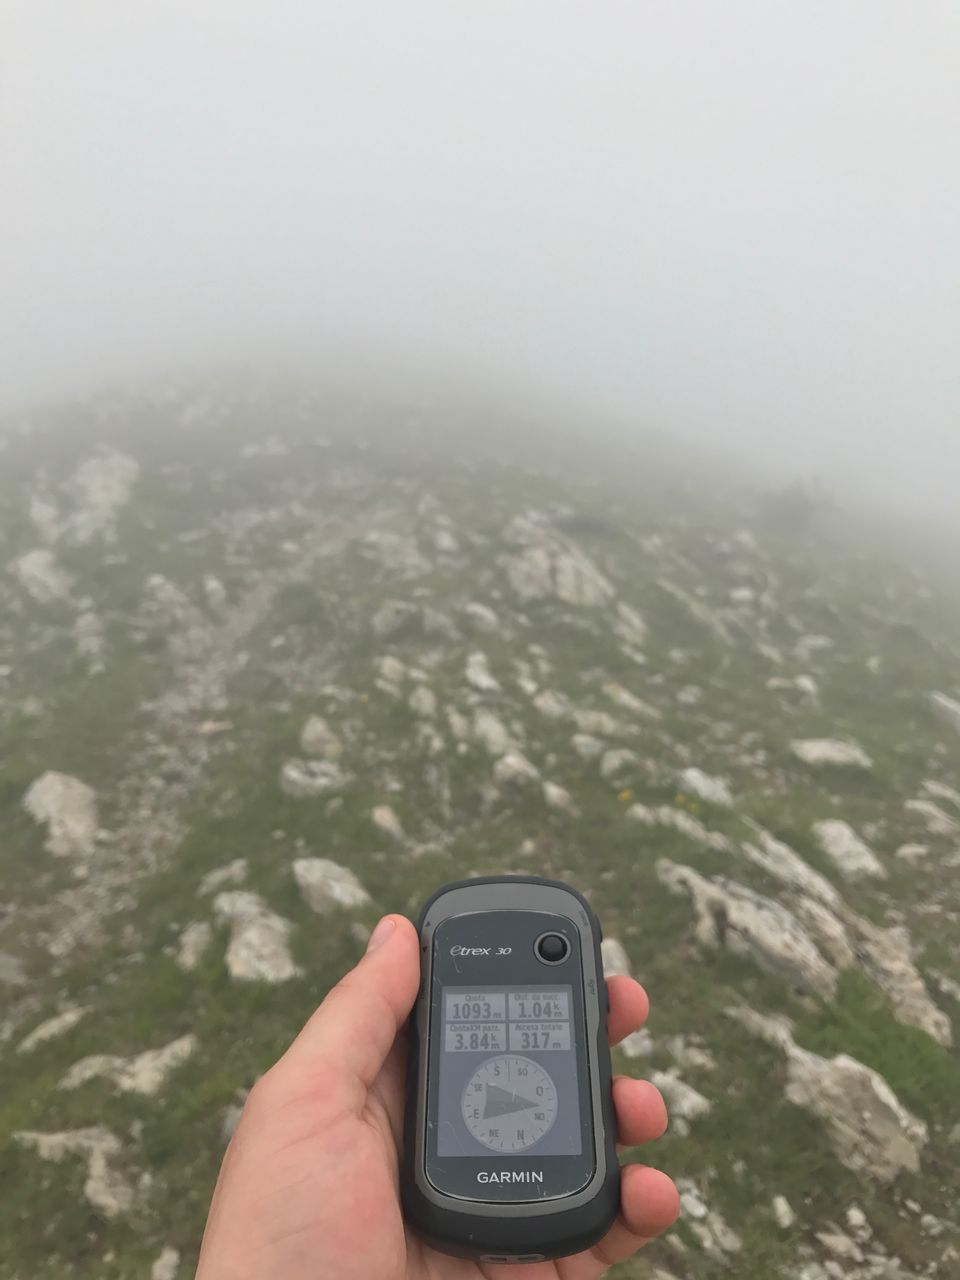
(509, 1134)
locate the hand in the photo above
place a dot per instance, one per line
(308, 1188)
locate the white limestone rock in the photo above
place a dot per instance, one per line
(783, 1213)
(869, 1129)
(830, 753)
(101, 488)
(946, 709)
(326, 886)
(554, 570)
(53, 1028)
(630, 626)
(393, 617)
(144, 1073)
(231, 874)
(616, 962)
(68, 808)
(423, 702)
(638, 1044)
(683, 1101)
(167, 1265)
(886, 955)
(628, 701)
(706, 787)
(193, 944)
(602, 725)
(557, 797)
(586, 746)
(514, 769)
(385, 820)
(616, 762)
(666, 815)
(786, 865)
(106, 1190)
(259, 947)
(307, 779)
(936, 820)
(318, 740)
(853, 858)
(42, 577)
(731, 915)
(478, 674)
(553, 705)
(490, 731)
(482, 618)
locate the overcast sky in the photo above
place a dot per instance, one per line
(733, 221)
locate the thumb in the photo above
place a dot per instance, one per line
(357, 1023)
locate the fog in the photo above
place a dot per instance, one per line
(735, 223)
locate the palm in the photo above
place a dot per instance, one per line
(309, 1188)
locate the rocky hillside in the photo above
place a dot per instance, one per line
(272, 663)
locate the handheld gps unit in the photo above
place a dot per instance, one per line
(509, 1133)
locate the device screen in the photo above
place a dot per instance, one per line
(508, 1073)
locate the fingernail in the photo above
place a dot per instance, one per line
(381, 933)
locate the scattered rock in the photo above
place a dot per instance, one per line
(259, 948)
(869, 1129)
(319, 740)
(306, 779)
(326, 886)
(941, 791)
(679, 820)
(887, 957)
(478, 674)
(100, 488)
(783, 1213)
(586, 746)
(482, 618)
(946, 709)
(732, 916)
(557, 797)
(616, 762)
(423, 702)
(853, 858)
(392, 674)
(630, 626)
(786, 865)
(701, 613)
(706, 787)
(54, 1027)
(105, 1189)
(88, 636)
(193, 943)
(555, 570)
(937, 822)
(232, 874)
(514, 769)
(41, 577)
(553, 705)
(602, 725)
(684, 1103)
(145, 1073)
(638, 1044)
(394, 617)
(385, 820)
(830, 753)
(490, 730)
(616, 962)
(166, 1265)
(68, 807)
(628, 701)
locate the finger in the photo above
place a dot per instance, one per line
(629, 1007)
(357, 1023)
(649, 1204)
(641, 1111)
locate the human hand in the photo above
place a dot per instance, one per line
(308, 1189)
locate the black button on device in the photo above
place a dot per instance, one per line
(551, 948)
